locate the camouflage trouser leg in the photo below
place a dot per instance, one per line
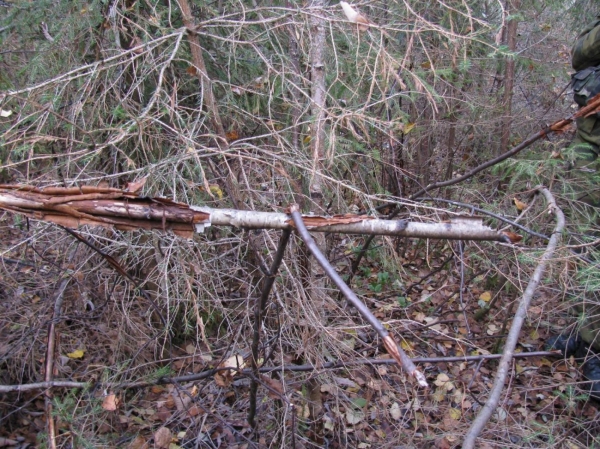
(585, 169)
(584, 177)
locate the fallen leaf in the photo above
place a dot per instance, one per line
(514, 238)
(110, 402)
(136, 186)
(455, 413)
(275, 390)
(359, 402)
(162, 438)
(520, 205)
(302, 411)
(4, 113)
(441, 379)
(395, 411)
(77, 354)
(492, 329)
(138, 443)
(232, 135)
(225, 378)
(408, 128)
(354, 416)
(485, 296)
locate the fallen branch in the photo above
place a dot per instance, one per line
(392, 347)
(266, 369)
(49, 363)
(558, 126)
(121, 209)
(513, 335)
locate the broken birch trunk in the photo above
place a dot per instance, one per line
(87, 205)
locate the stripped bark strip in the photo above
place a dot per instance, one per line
(393, 348)
(513, 335)
(258, 316)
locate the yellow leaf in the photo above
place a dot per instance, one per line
(406, 346)
(216, 190)
(441, 379)
(520, 205)
(485, 296)
(455, 413)
(77, 354)
(408, 128)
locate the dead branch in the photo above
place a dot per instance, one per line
(267, 369)
(124, 210)
(513, 335)
(258, 316)
(392, 347)
(49, 364)
(558, 126)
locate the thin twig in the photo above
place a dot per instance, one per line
(266, 369)
(258, 316)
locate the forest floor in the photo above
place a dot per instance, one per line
(365, 402)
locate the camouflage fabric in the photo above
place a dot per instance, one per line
(586, 83)
(586, 51)
(585, 169)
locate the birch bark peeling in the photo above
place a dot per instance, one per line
(128, 211)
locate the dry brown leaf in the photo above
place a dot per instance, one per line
(138, 443)
(136, 186)
(110, 402)
(225, 378)
(162, 438)
(275, 390)
(514, 238)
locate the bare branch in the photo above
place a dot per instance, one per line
(393, 348)
(513, 335)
